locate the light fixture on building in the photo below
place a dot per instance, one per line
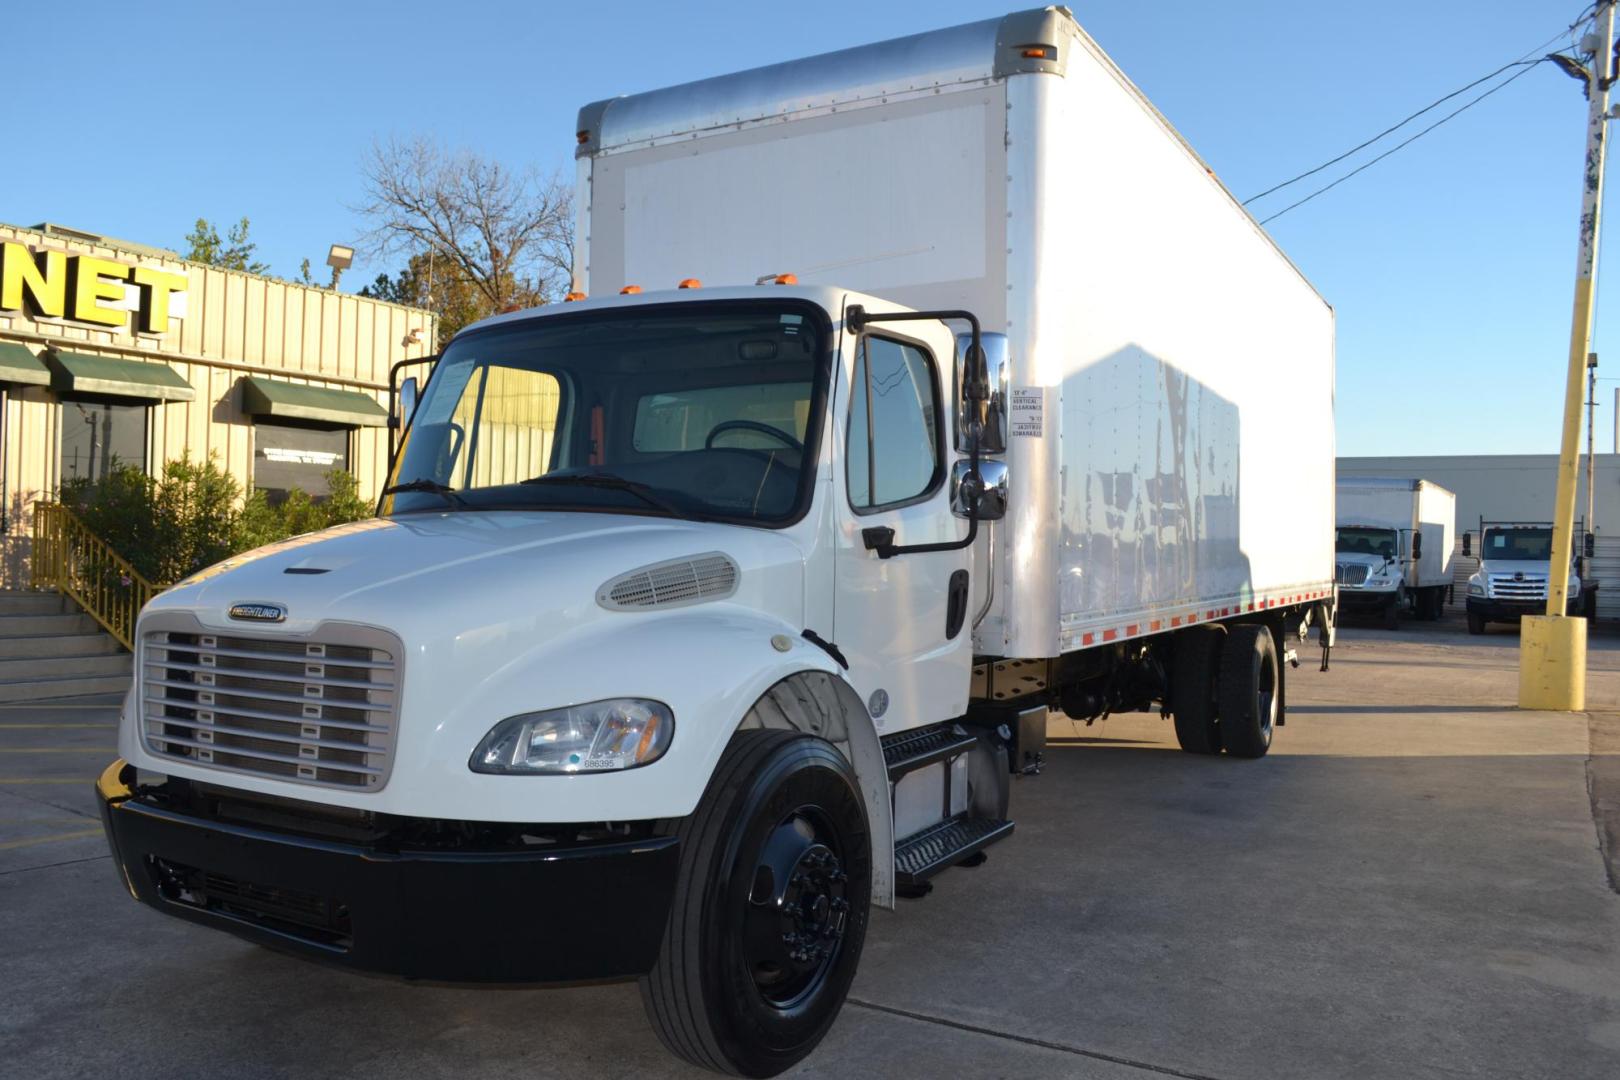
(339, 258)
(414, 337)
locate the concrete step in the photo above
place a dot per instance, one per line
(110, 688)
(34, 668)
(27, 626)
(56, 646)
(17, 602)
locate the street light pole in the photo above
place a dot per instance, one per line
(1552, 647)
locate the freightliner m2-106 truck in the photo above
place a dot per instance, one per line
(695, 622)
(1393, 546)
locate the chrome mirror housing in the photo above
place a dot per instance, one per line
(407, 401)
(994, 438)
(992, 485)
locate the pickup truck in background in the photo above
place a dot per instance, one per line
(1393, 548)
(1514, 566)
(906, 393)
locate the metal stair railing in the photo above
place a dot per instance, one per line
(71, 559)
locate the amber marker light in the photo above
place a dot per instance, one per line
(786, 279)
(630, 290)
(690, 283)
(572, 297)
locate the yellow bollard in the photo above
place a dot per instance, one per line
(1552, 663)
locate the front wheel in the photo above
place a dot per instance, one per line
(1476, 623)
(770, 908)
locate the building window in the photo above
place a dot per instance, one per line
(98, 437)
(287, 456)
(893, 425)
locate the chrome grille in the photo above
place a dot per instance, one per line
(1350, 573)
(1519, 586)
(317, 711)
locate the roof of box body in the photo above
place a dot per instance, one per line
(919, 63)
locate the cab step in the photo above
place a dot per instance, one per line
(913, 750)
(939, 847)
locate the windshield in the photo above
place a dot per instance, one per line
(1529, 544)
(696, 410)
(1366, 542)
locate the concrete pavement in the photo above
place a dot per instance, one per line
(1411, 885)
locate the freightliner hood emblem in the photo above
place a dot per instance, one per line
(259, 612)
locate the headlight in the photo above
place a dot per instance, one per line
(1476, 588)
(600, 736)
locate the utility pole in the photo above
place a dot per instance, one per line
(1552, 647)
(1591, 434)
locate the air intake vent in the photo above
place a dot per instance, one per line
(710, 576)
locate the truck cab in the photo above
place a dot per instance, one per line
(1370, 568)
(1511, 581)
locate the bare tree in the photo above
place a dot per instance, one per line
(508, 233)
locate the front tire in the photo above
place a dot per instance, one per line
(1249, 691)
(1476, 623)
(770, 908)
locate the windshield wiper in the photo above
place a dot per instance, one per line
(427, 487)
(613, 483)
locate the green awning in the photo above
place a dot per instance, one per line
(18, 365)
(295, 401)
(77, 373)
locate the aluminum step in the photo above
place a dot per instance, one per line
(913, 750)
(938, 847)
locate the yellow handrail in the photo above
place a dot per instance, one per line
(70, 558)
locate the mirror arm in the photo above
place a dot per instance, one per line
(975, 390)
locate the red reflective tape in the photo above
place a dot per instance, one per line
(1133, 629)
(1087, 639)
(1175, 620)
(1155, 624)
(1110, 635)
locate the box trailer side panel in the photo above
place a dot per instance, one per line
(1196, 368)
(1437, 518)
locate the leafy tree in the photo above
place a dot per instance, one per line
(426, 282)
(235, 252)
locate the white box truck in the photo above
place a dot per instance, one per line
(1394, 546)
(694, 622)
(1514, 567)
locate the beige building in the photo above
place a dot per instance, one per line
(111, 351)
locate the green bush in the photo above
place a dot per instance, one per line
(192, 515)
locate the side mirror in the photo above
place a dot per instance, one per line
(1589, 545)
(407, 402)
(1468, 545)
(990, 488)
(1417, 545)
(993, 440)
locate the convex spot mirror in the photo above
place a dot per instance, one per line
(991, 485)
(993, 440)
(1589, 545)
(408, 394)
(1468, 545)
(1417, 545)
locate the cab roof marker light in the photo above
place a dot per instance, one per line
(572, 297)
(690, 283)
(630, 290)
(787, 279)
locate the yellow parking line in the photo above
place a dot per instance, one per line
(80, 835)
(53, 727)
(48, 780)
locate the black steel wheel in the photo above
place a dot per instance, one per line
(770, 908)
(1476, 623)
(1194, 664)
(1250, 682)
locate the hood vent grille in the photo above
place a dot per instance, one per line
(692, 580)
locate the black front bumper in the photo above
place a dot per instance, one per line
(1514, 610)
(1365, 600)
(554, 913)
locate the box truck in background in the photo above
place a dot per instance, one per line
(1394, 546)
(697, 621)
(1514, 567)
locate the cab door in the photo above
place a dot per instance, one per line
(903, 622)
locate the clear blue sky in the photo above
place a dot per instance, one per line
(1450, 264)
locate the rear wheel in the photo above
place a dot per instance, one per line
(1196, 664)
(1248, 696)
(770, 907)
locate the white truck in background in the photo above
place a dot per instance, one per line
(1394, 546)
(1514, 566)
(697, 621)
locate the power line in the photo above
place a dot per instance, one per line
(1404, 143)
(1523, 60)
